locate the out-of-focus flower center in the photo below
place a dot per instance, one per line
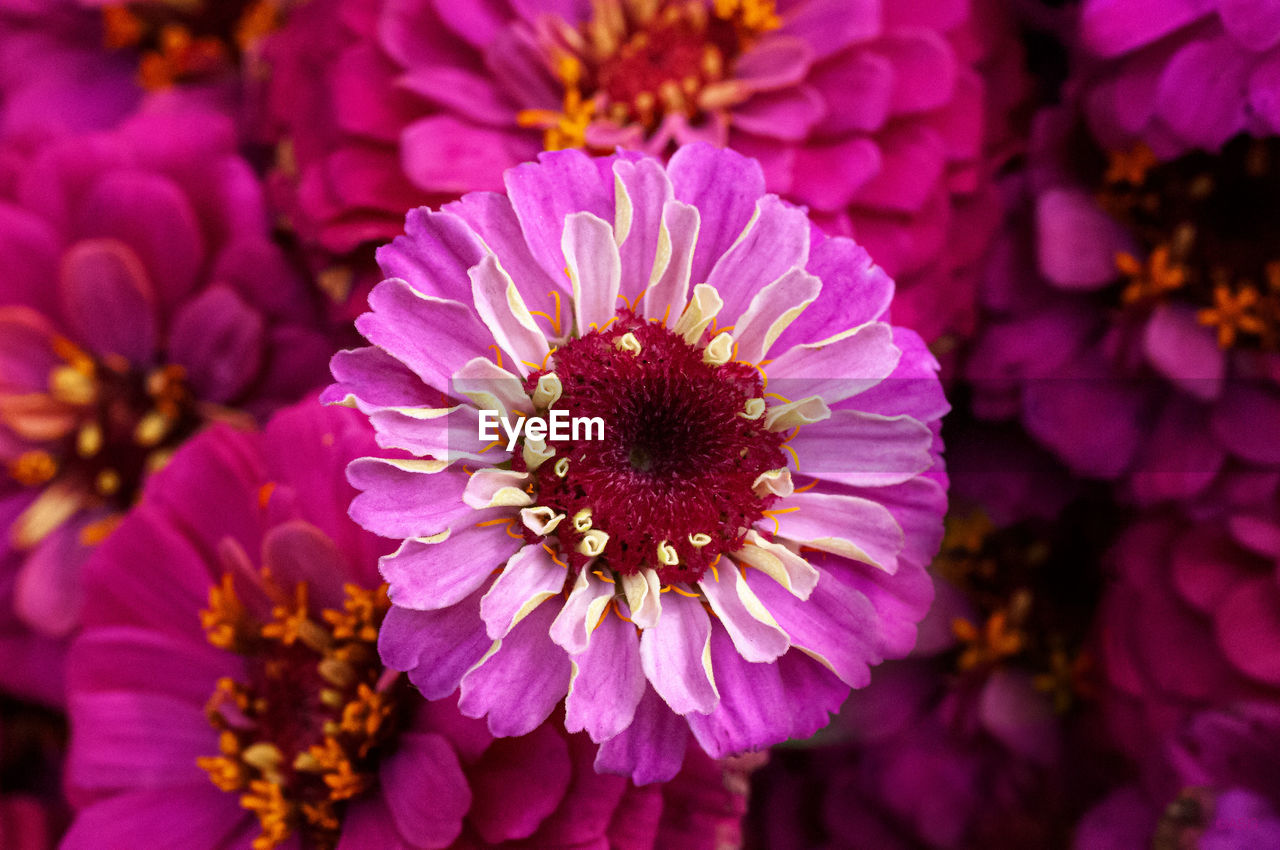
(673, 483)
(183, 40)
(106, 425)
(1207, 224)
(1031, 599)
(636, 61)
(301, 735)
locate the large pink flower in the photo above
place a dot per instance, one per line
(721, 558)
(871, 114)
(226, 691)
(142, 298)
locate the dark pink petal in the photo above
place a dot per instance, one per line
(194, 817)
(445, 155)
(425, 789)
(124, 659)
(527, 663)
(762, 704)
(831, 25)
(1021, 717)
(829, 176)
(1184, 351)
(376, 112)
(108, 300)
(775, 63)
(435, 647)
(1235, 422)
(1206, 565)
(652, 747)
(129, 750)
(469, 95)
(924, 69)
(1111, 27)
(29, 250)
(218, 339)
(609, 682)
(857, 89)
(786, 114)
(47, 593)
(1253, 23)
(26, 352)
(912, 160)
(1199, 95)
(368, 825)
(154, 217)
(518, 783)
(1248, 628)
(1076, 241)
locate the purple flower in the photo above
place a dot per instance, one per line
(1181, 75)
(142, 299)
(226, 690)
(1218, 791)
(871, 115)
(1136, 311)
(722, 558)
(1193, 618)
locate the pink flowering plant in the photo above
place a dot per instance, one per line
(748, 534)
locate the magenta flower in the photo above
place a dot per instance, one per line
(722, 559)
(226, 691)
(143, 298)
(1181, 75)
(871, 115)
(1136, 312)
(1193, 618)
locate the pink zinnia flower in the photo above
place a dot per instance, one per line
(727, 559)
(226, 690)
(871, 114)
(1135, 308)
(143, 297)
(1181, 75)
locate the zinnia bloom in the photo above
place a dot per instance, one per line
(1219, 791)
(1181, 75)
(870, 114)
(143, 298)
(726, 558)
(1193, 618)
(1136, 311)
(226, 690)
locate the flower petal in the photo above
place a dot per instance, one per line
(595, 269)
(775, 241)
(889, 449)
(608, 682)
(435, 572)
(406, 498)
(724, 189)
(546, 193)
(521, 679)
(108, 300)
(651, 749)
(676, 656)
(436, 648)
(434, 255)
(839, 367)
(503, 311)
(219, 340)
(848, 526)
(580, 615)
(530, 578)
(425, 767)
(771, 311)
(749, 624)
(507, 805)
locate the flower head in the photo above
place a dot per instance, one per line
(1136, 310)
(871, 117)
(767, 463)
(226, 689)
(143, 299)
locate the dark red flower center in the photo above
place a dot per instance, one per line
(302, 734)
(671, 485)
(636, 61)
(1207, 225)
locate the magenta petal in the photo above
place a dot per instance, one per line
(431, 576)
(762, 704)
(436, 648)
(924, 69)
(130, 750)
(829, 26)
(777, 240)
(470, 95)
(1205, 566)
(777, 62)
(527, 663)
(609, 682)
(151, 215)
(1021, 717)
(912, 162)
(1235, 422)
(1253, 23)
(26, 351)
(29, 252)
(445, 155)
(193, 817)
(671, 654)
(47, 592)
(1199, 92)
(1185, 352)
(297, 551)
(425, 769)
(368, 825)
(1248, 629)
(829, 176)
(1077, 242)
(724, 189)
(1111, 27)
(437, 247)
(398, 503)
(107, 298)
(652, 747)
(218, 339)
(377, 379)
(126, 658)
(857, 89)
(518, 783)
(788, 114)
(543, 195)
